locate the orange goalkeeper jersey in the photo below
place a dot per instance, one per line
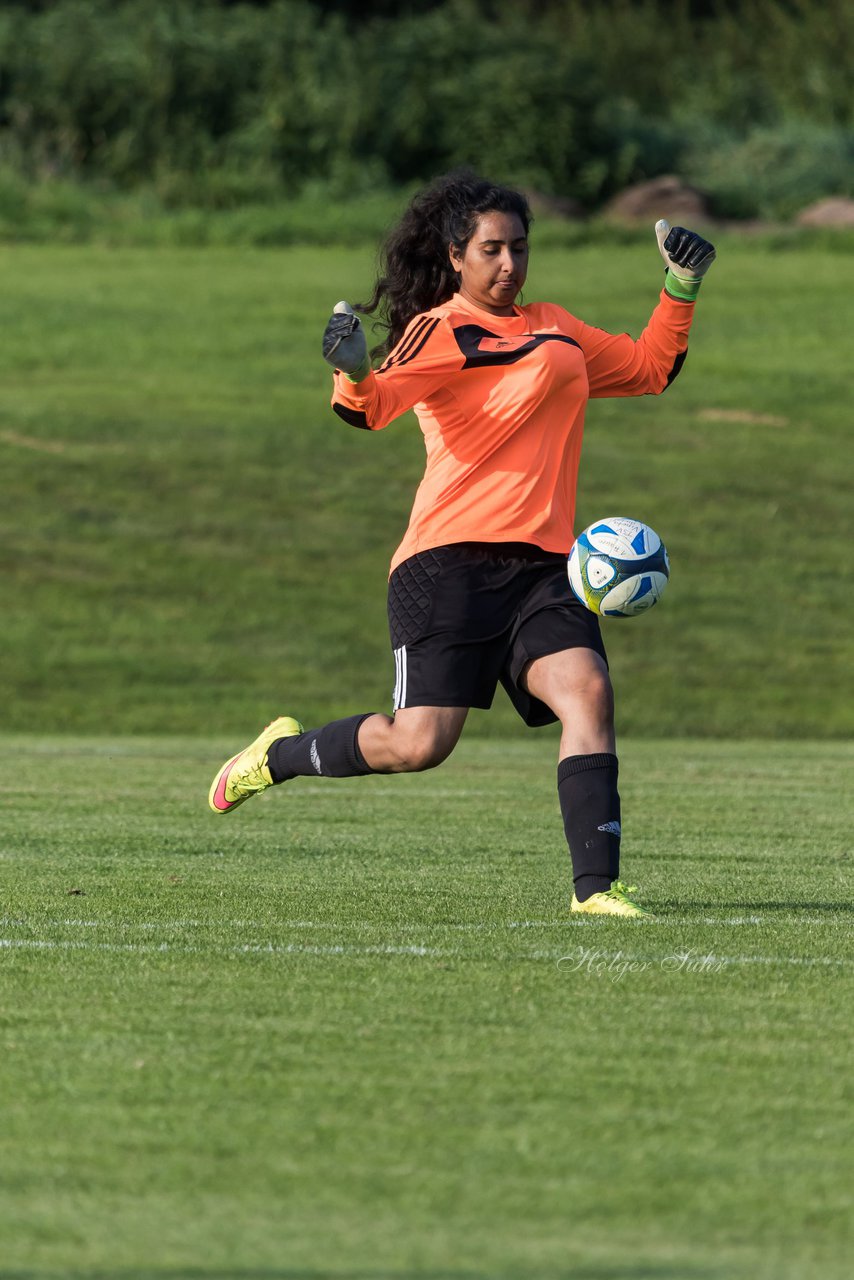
(500, 401)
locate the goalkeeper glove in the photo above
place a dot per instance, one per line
(344, 344)
(687, 258)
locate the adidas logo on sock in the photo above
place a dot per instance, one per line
(613, 828)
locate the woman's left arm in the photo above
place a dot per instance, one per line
(617, 365)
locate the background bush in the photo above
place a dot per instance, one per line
(221, 105)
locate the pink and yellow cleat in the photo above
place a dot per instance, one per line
(246, 774)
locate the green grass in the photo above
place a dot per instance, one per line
(352, 1032)
(191, 538)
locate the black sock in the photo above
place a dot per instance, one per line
(590, 804)
(329, 752)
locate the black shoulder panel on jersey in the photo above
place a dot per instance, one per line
(677, 366)
(480, 347)
(355, 417)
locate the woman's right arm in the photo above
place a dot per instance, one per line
(419, 365)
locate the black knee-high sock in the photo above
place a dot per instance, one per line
(590, 804)
(329, 752)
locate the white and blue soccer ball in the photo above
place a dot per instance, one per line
(618, 567)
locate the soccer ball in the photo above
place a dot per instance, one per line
(618, 567)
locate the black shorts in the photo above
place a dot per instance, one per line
(465, 616)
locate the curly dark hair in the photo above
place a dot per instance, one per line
(415, 272)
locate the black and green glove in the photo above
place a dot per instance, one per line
(344, 344)
(687, 257)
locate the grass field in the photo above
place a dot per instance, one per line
(352, 1032)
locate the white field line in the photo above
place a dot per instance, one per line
(729, 922)
(261, 948)
(349, 949)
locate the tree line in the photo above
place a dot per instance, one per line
(216, 103)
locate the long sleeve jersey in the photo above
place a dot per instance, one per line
(501, 402)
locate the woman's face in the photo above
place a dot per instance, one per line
(494, 265)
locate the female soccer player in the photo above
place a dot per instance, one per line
(478, 589)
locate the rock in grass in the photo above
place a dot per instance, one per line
(834, 211)
(665, 197)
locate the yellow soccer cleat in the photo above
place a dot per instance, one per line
(247, 774)
(612, 902)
